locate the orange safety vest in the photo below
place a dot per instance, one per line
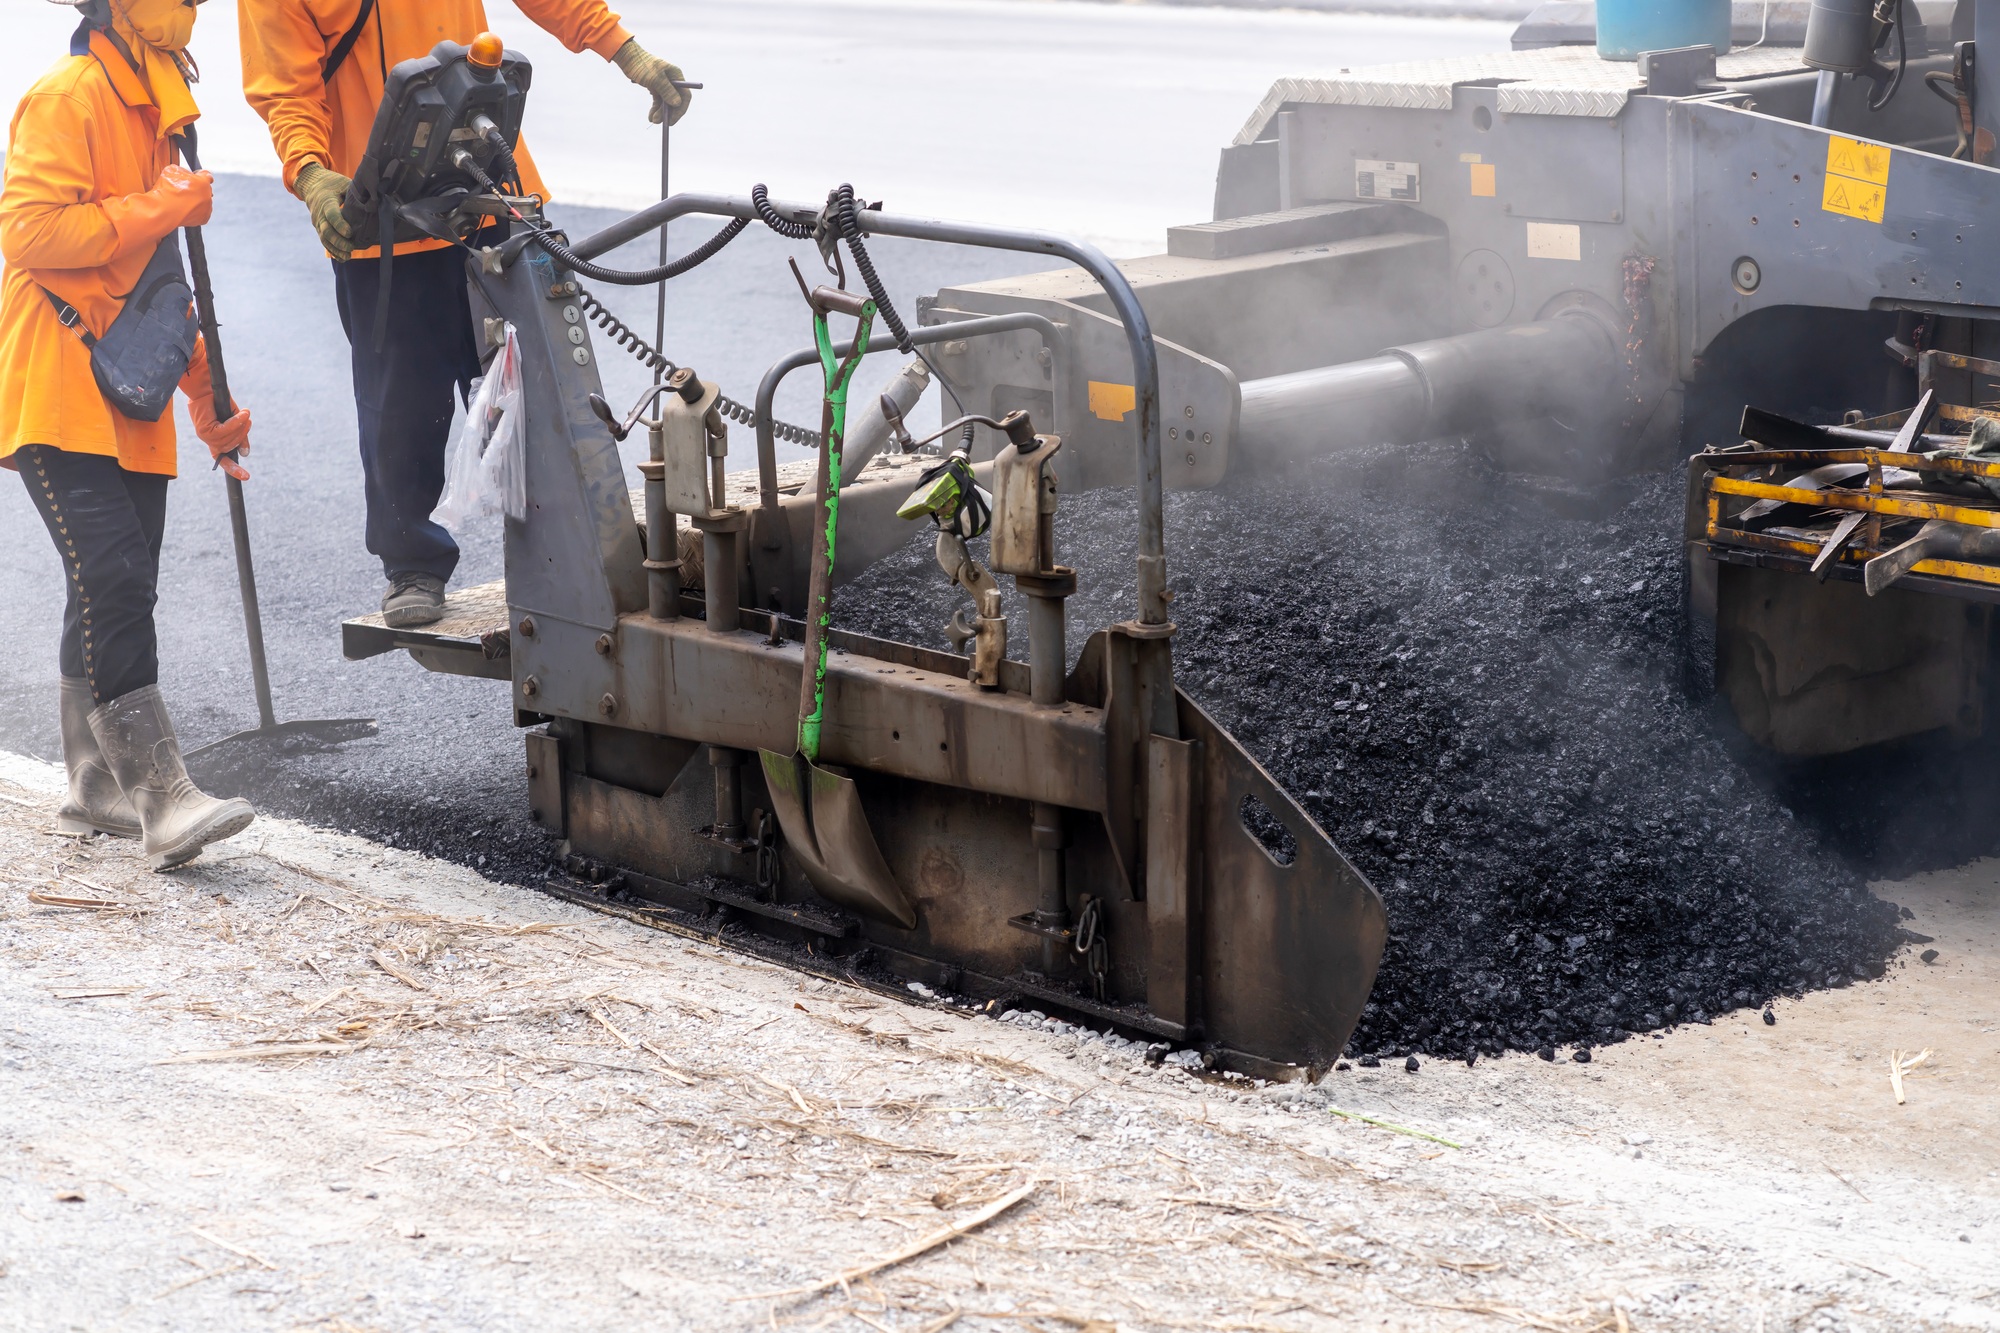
(286, 43)
(85, 145)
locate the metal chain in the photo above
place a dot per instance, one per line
(1088, 941)
(767, 849)
(649, 356)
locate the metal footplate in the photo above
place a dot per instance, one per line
(470, 640)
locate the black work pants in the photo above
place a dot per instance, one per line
(107, 525)
(403, 397)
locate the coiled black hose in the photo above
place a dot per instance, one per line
(842, 218)
(760, 199)
(845, 215)
(653, 359)
(701, 254)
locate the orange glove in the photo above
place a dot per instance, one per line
(221, 437)
(180, 198)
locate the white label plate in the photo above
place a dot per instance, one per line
(1391, 182)
(1555, 240)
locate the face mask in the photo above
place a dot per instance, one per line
(167, 24)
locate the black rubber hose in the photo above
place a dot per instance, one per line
(846, 215)
(760, 199)
(701, 254)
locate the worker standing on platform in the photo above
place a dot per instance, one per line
(90, 354)
(315, 70)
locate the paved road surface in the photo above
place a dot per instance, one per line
(1003, 88)
(1092, 118)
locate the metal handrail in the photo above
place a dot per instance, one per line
(1152, 560)
(767, 388)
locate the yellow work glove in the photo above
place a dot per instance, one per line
(657, 77)
(324, 191)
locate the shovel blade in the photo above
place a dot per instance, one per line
(827, 830)
(316, 731)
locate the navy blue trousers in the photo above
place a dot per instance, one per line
(107, 525)
(403, 398)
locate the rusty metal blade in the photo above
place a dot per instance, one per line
(827, 832)
(1823, 563)
(1920, 417)
(1934, 538)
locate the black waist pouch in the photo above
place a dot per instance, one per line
(142, 356)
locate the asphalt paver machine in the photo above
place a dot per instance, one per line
(1072, 836)
(1774, 259)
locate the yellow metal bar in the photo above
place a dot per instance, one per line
(1946, 569)
(1763, 541)
(1866, 504)
(1816, 457)
(1959, 569)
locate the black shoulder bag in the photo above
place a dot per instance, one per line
(142, 356)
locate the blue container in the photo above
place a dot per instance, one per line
(1627, 27)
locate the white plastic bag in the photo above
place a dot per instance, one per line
(486, 471)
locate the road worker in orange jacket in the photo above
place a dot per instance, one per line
(315, 70)
(93, 195)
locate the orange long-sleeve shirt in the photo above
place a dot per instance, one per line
(85, 146)
(286, 42)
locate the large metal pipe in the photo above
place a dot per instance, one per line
(1554, 367)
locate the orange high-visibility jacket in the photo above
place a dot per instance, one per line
(75, 218)
(286, 43)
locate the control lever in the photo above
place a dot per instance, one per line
(1016, 426)
(899, 434)
(620, 429)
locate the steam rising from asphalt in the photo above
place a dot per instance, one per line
(1472, 681)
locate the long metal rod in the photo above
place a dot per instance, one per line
(253, 619)
(225, 408)
(1152, 560)
(660, 303)
(767, 388)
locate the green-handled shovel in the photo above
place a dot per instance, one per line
(819, 808)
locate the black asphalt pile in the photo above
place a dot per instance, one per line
(1472, 681)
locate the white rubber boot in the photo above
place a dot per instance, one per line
(94, 804)
(179, 818)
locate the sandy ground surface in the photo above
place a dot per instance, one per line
(312, 1082)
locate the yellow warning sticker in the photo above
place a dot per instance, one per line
(1111, 402)
(1857, 179)
(1855, 199)
(1857, 160)
(1485, 180)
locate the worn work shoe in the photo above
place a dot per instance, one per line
(177, 817)
(412, 600)
(94, 803)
